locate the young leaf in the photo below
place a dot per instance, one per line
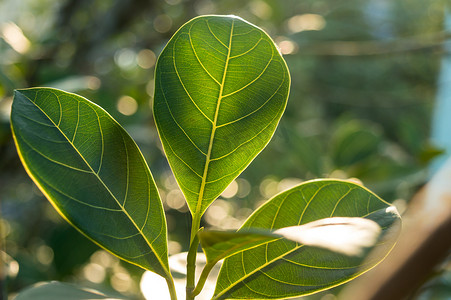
(93, 173)
(350, 236)
(284, 269)
(218, 245)
(221, 87)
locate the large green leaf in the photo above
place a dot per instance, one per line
(221, 88)
(284, 269)
(93, 173)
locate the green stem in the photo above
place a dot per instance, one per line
(203, 278)
(195, 227)
(191, 259)
(171, 287)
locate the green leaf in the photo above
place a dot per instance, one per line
(218, 245)
(284, 269)
(93, 173)
(355, 235)
(221, 87)
(56, 291)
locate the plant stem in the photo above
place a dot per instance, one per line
(195, 227)
(171, 287)
(191, 259)
(203, 278)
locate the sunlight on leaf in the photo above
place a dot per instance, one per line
(349, 236)
(93, 173)
(283, 268)
(221, 87)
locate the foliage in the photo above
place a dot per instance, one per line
(221, 88)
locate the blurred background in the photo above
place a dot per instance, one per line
(365, 81)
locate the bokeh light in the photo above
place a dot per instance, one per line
(306, 22)
(127, 105)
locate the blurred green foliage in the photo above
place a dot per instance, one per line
(364, 77)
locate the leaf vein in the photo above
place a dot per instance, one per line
(258, 108)
(197, 57)
(255, 79)
(53, 160)
(214, 35)
(78, 121)
(113, 196)
(183, 85)
(178, 125)
(250, 49)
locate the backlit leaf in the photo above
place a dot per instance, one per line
(221, 87)
(284, 269)
(93, 173)
(350, 236)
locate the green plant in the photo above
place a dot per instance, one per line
(221, 88)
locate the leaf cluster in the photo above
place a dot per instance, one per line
(221, 87)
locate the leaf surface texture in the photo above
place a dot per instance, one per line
(221, 88)
(93, 173)
(282, 268)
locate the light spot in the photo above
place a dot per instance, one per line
(13, 269)
(288, 183)
(154, 286)
(125, 58)
(217, 212)
(5, 108)
(126, 105)
(204, 7)
(150, 88)
(94, 272)
(44, 254)
(162, 23)
(260, 9)
(93, 83)
(231, 190)
(306, 22)
(329, 297)
(174, 247)
(287, 46)
(269, 187)
(14, 36)
(244, 187)
(146, 58)
(104, 259)
(175, 199)
(121, 281)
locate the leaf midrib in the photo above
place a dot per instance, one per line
(213, 131)
(101, 181)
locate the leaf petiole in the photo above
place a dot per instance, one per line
(171, 287)
(203, 278)
(191, 262)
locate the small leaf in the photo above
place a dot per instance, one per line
(93, 173)
(56, 291)
(218, 245)
(221, 87)
(350, 236)
(282, 268)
